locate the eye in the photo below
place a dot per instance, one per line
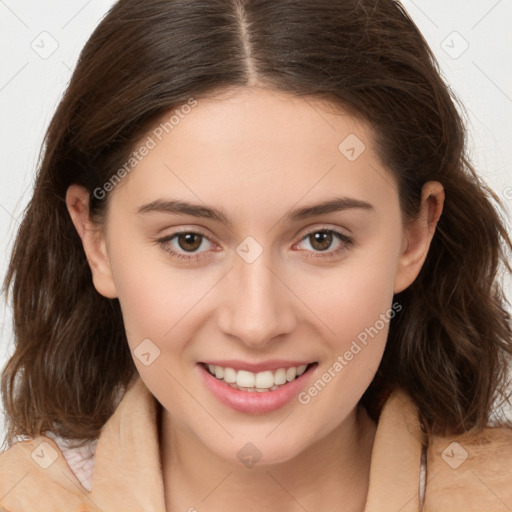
(186, 241)
(321, 239)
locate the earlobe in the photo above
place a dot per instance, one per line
(93, 240)
(418, 235)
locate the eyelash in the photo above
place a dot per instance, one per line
(346, 243)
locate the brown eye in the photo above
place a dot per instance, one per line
(321, 243)
(189, 241)
(186, 245)
(321, 240)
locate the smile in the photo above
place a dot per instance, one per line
(255, 392)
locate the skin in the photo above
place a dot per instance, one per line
(256, 155)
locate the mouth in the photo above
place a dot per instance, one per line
(255, 393)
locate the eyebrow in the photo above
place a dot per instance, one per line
(173, 206)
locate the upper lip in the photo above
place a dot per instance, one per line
(270, 365)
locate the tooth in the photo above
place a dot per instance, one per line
(301, 369)
(229, 375)
(261, 390)
(249, 381)
(291, 373)
(280, 377)
(264, 379)
(245, 379)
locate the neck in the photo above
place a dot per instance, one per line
(330, 475)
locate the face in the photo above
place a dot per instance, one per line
(268, 281)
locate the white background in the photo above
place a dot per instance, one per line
(32, 82)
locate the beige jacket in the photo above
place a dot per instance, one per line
(35, 477)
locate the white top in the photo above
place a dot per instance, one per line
(80, 459)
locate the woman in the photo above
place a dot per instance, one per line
(257, 271)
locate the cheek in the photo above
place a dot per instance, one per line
(152, 296)
(358, 310)
(156, 303)
(351, 296)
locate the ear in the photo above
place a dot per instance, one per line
(93, 240)
(418, 234)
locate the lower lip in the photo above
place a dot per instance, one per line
(255, 402)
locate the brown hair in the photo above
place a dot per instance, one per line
(446, 347)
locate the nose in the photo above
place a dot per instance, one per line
(257, 306)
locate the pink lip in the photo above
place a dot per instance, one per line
(272, 364)
(255, 402)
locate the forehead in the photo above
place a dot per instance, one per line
(254, 116)
(254, 147)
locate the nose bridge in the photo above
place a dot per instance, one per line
(256, 305)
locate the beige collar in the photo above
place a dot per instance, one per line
(133, 478)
